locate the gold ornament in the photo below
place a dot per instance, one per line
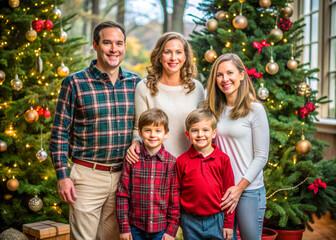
(212, 25)
(16, 83)
(39, 64)
(303, 89)
(8, 196)
(14, 3)
(31, 115)
(31, 35)
(3, 146)
(277, 32)
(210, 56)
(272, 67)
(292, 64)
(240, 22)
(265, 3)
(287, 11)
(303, 146)
(35, 204)
(63, 70)
(2, 77)
(221, 15)
(12, 184)
(63, 37)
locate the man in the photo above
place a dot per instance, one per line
(93, 126)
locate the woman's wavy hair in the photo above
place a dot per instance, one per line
(216, 100)
(187, 72)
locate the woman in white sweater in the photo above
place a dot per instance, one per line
(243, 134)
(170, 86)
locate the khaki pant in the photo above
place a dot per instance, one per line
(93, 215)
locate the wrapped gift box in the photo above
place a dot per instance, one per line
(48, 230)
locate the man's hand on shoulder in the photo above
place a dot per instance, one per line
(66, 190)
(167, 237)
(126, 236)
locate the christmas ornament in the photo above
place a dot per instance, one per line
(47, 113)
(277, 32)
(210, 55)
(310, 107)
(63, 37)
(292, 64)
(3, 146)
(16, 83)
(63, 70)
(240, 22)
(12, 184)
(253, 73)
(221, 15)
(303, 146)
(2, 76)
(263, 92)
(212, 25)
(35, 204)
(303, 89)
(14, 3)
(7, 197)
(265, 3)
(302, 112)
(316, 185)
(57, 12)
(31, 35)
(48, 25)
(38, 25)
(12, 234)
(41, 155)
(260, 45)
(39, 110)
(285, 24)
(31, 115)
(287, 11)
(39, 64)
(272, 67)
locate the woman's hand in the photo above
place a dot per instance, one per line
(132, 151)
(231, 197)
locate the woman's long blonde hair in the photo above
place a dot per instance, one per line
(187, 72)
(216, 100)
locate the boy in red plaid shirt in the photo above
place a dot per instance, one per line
(148, 191)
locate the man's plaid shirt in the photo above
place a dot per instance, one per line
(93, 119)
(148, 194)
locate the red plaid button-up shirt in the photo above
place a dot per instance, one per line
(148, 194)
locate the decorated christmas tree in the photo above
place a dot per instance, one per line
(268, 42)
(35, 55)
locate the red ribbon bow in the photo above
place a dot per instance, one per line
(316, 185)
(260, 45)
(253, 73)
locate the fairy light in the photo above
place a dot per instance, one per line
(29, 163)
(243, 49)
(261, 15)
(15, 165)
(287, 189)
(294, 159)
(285, 40)
(228, 44)
(27, 145)
(229, 30)
(46, 178)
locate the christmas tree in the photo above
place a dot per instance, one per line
(268, 42)
(35, 55)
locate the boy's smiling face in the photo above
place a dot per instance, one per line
(152, 137)
(201, 134)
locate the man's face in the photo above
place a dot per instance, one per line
(110, 49)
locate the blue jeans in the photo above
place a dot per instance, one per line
(250, 213)
(202, 227)
(139, 234)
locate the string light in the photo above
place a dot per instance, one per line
(287, 189)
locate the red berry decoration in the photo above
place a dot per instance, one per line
(303, 112)
(285, 24)
(48, 25)
(38, 25)
(47, 113)
(310, 107)
(40, 111)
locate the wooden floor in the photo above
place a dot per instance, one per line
(324, 228)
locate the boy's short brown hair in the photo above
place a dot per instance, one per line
(198, 115)
(153, 116)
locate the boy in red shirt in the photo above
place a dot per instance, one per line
(204, 174)
(148, 191)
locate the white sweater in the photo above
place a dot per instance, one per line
(176, 103)
(246, 142)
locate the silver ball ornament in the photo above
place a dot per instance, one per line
(263, 92)
(272, 67)
(41, 155)
(240, 22)
(16, 83)
(3, 146)
(57, 12)
(277, 32)
(63, 37)
(35, 204)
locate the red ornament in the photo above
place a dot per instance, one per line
(260, 45)
(285, 24)
(48, 24)
(303, 112)
(40, 111)
(253, 73)
(310, 107)
(38, 25)
(47, 113)
(316, 185)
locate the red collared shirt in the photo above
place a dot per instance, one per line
(148, 194)
(204, 180)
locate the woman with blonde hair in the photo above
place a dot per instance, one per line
(170, 86)
(243, 134)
